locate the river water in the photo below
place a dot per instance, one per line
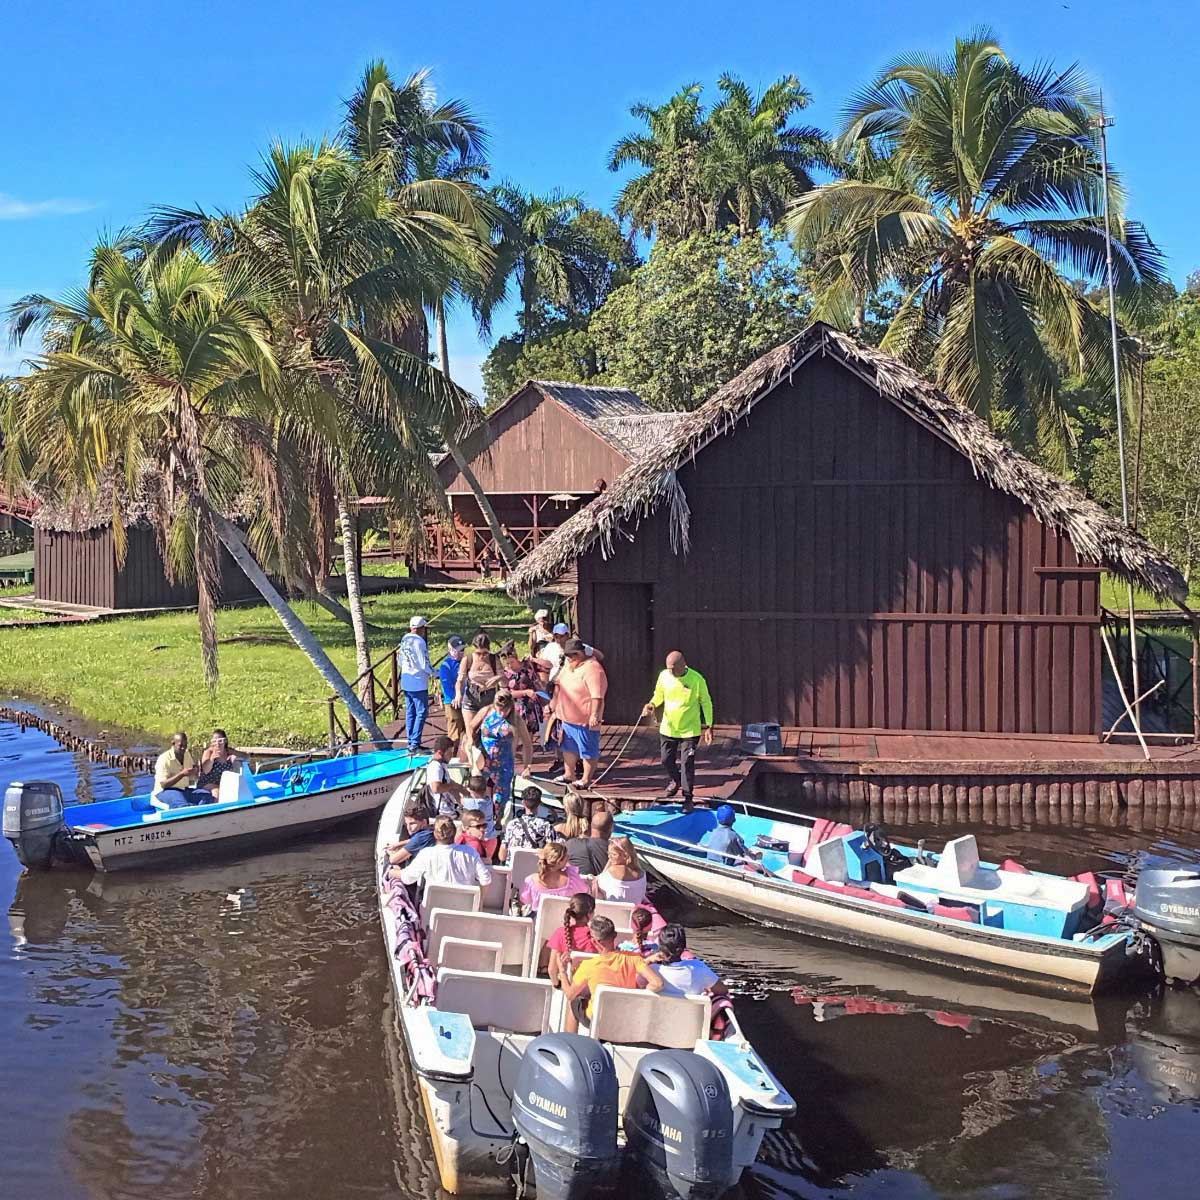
(225, 1033)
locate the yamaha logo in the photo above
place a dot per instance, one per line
(596, 1065)
(710, 1091)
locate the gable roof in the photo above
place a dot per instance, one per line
(651, 481)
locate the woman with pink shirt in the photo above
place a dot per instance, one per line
(553, 877)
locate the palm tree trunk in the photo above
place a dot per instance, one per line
(233, 541)
(507, 550)
(362, 647)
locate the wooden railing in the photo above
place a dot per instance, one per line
(477, 550)
(379, 687)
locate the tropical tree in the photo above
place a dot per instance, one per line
(995, 189)
(418, 143)
(159, 382)
(737, 165)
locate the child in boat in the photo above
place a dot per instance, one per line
(474, 834)
(573, 934)
(641, 922)
(478, 799)
(420, 836)
(554, 877)
(724, 844)
(682, 975)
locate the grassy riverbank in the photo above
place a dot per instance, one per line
(144, 672)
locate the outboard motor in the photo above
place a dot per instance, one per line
(33, 820)
(679, 1126)
(565, 1110)
(1167, 906)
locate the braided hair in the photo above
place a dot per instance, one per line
(578, 912)
(640, 920)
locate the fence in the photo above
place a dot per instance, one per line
(1164, 670)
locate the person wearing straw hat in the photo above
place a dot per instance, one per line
(539, 632)
(415, 673)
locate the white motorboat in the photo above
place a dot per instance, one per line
(647, 1094)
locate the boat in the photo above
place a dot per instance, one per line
(659, 1093)
(305, 793)
(950, 908)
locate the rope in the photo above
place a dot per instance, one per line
(622, 750)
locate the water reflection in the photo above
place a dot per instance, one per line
(225, 1033)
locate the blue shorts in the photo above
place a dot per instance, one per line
(580, 740)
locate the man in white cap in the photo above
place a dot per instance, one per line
(540, 633)
(551, 657)
(415, 672)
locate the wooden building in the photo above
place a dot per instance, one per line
(547, 450)
(75, 562)
(837, 545)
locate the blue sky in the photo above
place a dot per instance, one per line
(112, 107)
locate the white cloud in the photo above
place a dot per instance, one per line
(14, 209)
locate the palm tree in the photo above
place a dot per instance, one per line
(756, 162)
(995, 189)
(418, 143)
(736, 165)
(352, 253)
(668, 199)
(160, 381)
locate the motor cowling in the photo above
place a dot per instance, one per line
(1167, 906)
(565, 1109)
(679, 1126)
(33, 820)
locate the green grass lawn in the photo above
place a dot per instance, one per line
(144, 673)
(1114, 595)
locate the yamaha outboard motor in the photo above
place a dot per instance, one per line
(1167, 906)
(33, 820)
(565, 1111)
(679, 1126)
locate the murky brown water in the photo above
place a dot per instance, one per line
(225, 1033)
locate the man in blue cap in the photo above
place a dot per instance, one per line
(724, 844)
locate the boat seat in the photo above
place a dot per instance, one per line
(495, 894)
(627, 1015)
(513, 933)
(827, 861)
(959, 861)
(549, 917)
(465, 954)
(234, 787)
(954, 877)
(461, 896)
(521, 863)
(495, 1001)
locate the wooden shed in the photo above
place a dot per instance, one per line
(75, 562)
(836, 544)
(542, 454)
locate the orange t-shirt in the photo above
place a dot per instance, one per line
(576, 687)
(616, 968)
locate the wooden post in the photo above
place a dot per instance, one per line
(332, 722)
(353, 734)
(1196, 679)
(395, 685)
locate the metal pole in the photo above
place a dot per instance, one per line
(1104, 122)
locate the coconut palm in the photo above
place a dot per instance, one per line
(160, 383)
(996, 189)
(415, 139)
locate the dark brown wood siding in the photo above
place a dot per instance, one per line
(81, 568)
(847, 570)
(537, 445)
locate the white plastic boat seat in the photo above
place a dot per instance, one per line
(619, 912)
(495, 894)
(521, 862)
(465, 954)
(959, 861)
(828, 861)
(234, 787)
(998, 887)
(495, 1001)
(513, 934)
(632, 1016)
(461, 896)
(549, 917)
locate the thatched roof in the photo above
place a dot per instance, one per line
(650, 481)
(82, 512)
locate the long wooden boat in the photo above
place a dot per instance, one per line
(507, 1094)
(299, 797)
(950, 909)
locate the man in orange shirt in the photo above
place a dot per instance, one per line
(579, 706)
(610, 966)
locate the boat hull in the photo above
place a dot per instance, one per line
(1073, 965)
(232, 830)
